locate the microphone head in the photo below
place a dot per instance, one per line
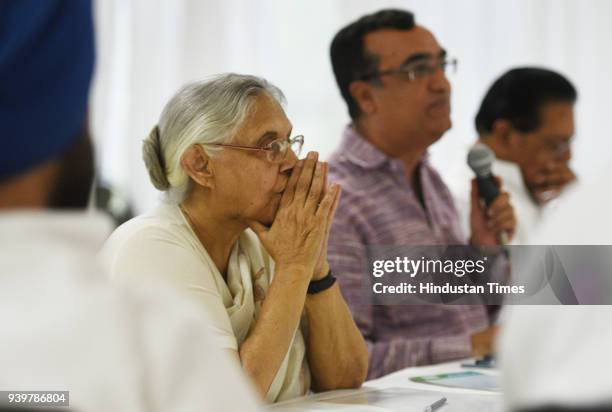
(480, 158)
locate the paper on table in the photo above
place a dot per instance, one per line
(465, 380)
(395, 399)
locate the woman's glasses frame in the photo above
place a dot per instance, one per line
(275, 151)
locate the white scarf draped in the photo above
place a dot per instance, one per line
(249, 274)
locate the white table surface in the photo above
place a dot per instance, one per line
(424, 394)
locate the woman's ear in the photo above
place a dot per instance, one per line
(198, 166)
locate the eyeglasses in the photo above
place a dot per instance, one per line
(418, 70)
(275, 151)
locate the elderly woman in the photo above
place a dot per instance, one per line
(243, 232)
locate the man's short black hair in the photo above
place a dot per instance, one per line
(518, 96)
(350, 61)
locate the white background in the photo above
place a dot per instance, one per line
(149, 48)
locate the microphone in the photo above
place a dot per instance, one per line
(480, 158)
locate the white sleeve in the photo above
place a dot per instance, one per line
(153, 256)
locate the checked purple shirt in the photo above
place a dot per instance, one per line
(379, 207)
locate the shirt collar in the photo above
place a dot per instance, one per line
(359, 151)
(364, 154)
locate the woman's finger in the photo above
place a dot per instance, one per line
(332, 213)
(289, 193)
(305, 179)
(328, 201)
(325, 188)
(317, 188)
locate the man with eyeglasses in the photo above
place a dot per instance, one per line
(527, 119)
(391, 74)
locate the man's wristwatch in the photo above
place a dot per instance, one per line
(320, 285)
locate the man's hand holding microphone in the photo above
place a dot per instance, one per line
(492, 223)
(492, 219)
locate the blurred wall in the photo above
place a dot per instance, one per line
(147, 49)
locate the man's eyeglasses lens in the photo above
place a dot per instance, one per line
(424, 69)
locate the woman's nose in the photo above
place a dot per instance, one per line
(289, 161)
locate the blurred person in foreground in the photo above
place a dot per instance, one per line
(391, 73)
(63, 327)
(242, 232)
(558, 358)
(527, 119)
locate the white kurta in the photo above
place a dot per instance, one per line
(64, 328)
(160, 247)
(561, 354)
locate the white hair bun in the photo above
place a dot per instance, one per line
(154, 161)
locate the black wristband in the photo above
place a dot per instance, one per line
(320, 285)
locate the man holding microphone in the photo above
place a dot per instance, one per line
(392, 74)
